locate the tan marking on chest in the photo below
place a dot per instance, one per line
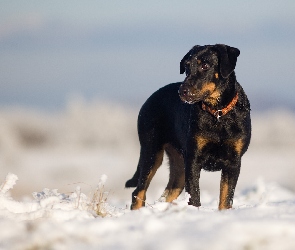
(201, 142)
(239, 146)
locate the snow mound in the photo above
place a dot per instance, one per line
(52, 204)
(263, 217)
(8, 184)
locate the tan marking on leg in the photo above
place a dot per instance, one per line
(140, 200)
(141, 196)
(237, 145)
(176, 177)
(216, 75)
(224, 193)
(165, 194)
(173, 194)
(223, 196)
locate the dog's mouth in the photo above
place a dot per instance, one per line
(207, 92)
(188, 95)
(188, 100)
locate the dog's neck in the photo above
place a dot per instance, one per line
(222, 100)
(221, 112)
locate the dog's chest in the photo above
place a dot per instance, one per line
(217, 129)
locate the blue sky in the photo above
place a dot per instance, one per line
(124, 50)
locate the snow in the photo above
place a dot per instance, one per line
(62, 186)
(9, 182)
(263, 218)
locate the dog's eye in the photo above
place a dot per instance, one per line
(205, 66)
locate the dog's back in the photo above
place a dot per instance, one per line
(161, 115)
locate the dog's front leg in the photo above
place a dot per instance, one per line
(192, 176)
(229, 178)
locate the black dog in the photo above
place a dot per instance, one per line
(202, 123)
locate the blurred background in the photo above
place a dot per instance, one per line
(74, 74)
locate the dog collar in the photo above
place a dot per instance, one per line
(221, 112)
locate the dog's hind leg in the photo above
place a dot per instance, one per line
(149, 162)
(177, 174)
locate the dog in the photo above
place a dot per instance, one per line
(201, 123)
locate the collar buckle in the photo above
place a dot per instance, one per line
(218, 113)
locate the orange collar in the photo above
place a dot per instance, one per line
(221, 112)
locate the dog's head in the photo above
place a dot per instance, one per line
(207, 68)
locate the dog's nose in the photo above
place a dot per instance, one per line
(184, 91)
(187, 94)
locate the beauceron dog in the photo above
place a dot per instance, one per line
(201, 123)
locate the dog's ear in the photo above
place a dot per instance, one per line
(188, 54)
(227, 59)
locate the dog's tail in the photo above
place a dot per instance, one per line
(134, 180)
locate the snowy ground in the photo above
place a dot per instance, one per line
(75, 150)
(263, 218)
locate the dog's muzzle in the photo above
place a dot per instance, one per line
(188, 94)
